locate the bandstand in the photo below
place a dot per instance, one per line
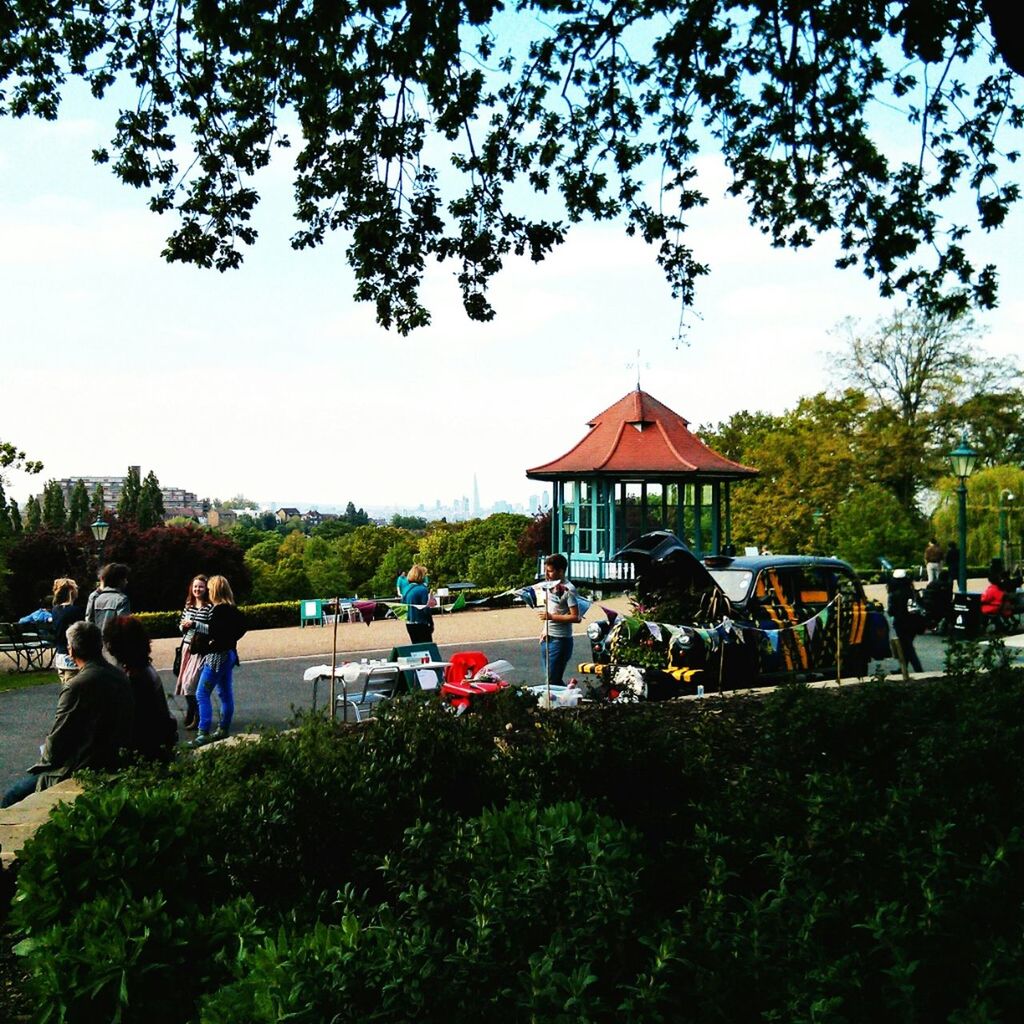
(638, 468)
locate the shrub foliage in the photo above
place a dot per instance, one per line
(816, 856)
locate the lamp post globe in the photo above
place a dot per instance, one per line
(1006, 501)
(569, 527)
(100, 529)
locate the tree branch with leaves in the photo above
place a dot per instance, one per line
(465, 133)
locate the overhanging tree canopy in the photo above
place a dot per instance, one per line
(425, 134)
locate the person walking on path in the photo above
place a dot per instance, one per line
(907, 620)
(93, 722)
(198, 608)
(109, 600)
(933, 560)
(222, 633)
(420, 621)
(560, 611)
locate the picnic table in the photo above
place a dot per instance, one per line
(369, 681)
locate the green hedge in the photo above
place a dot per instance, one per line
(852, 854)
(258, 616)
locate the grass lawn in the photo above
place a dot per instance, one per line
(22, 680)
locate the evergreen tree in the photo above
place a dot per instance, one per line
(6, 529)
(54, 513)
(33, 514)
(354, 516)
(151, 503)
(78, 514)
(128, 504)
(97, 506)
(15, 514)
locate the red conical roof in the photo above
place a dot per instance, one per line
(640, 436)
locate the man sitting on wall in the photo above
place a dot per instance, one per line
(93, 720)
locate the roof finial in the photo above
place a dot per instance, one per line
(637, 364)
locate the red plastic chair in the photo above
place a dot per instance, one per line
(464, 665)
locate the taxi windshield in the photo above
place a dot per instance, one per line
(735, 582)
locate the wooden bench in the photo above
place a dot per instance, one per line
(29, 645)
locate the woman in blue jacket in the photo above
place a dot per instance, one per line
(420, 621)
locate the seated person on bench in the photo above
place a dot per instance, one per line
(94, 718)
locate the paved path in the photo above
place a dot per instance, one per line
(269, 685)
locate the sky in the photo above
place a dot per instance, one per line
(270, 381)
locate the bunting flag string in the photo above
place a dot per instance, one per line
(728, 630)
(674, 632)
(367, 610)
(804, 630)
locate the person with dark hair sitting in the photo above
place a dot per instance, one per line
(41, 614)
(93, 720)
(154, 731)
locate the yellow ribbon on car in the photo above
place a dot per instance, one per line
(682, 675)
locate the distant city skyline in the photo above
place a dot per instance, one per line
(179, 500)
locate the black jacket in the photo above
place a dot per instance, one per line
(226, 627)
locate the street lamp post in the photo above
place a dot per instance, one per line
(962, 460)
(99, 532)
(1006, 500)
(569, 527)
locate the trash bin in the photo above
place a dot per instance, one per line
(966, 622)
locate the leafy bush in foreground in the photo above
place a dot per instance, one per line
(817, 856)
(514, 913)
(124, 909)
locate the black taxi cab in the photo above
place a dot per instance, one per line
(724, 622)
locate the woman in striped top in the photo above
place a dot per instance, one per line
(225, 628)
(198, 608)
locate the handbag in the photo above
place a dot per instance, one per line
(199, 644)
(177, 659)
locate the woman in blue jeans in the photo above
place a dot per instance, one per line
(223, 630)
(561, 610)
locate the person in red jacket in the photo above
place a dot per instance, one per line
(995, 602)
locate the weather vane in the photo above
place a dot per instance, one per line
(638, 365)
